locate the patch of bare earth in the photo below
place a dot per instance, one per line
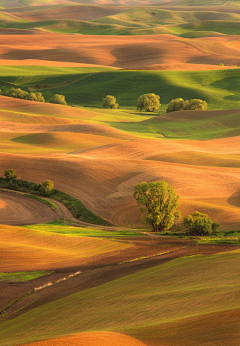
(128, 52)
(19, 210)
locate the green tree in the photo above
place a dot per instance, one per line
(179, 104)
(40, 97)
(58, 99)
(17, 93)
(196, 104)
(10, 174)
(175, 105)
(158, 204)
(148, 102)
(199, 224)
(47, 188)
(110, 102)
(35, 97)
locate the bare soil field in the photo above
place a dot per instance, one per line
(20, 210)
(104, 178)
(100, 165)
(128, 52)
(68, 12)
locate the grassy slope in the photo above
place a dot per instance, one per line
(59, 227)
(209, 3)
(87, 86)
(131, 21)
(128, 307)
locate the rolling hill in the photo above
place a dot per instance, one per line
(64, 281)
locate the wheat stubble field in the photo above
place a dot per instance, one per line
(69, 282)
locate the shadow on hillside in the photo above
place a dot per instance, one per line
(235, 199)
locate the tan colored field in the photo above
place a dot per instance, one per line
(104, 178)
(43, 251)
(128, 52)
(83, 12)
(20, 210)
(100, 165)
(91, 339)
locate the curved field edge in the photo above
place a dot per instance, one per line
(128, 307)
(75, 206)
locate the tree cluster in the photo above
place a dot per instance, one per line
(200, 224)
(31, 96)
(180, 104)
(22, 94)
(158, 204)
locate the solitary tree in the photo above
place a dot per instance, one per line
(110, 102)
(47, 188)
(58, 99)
(158, 204)
(148, 102)
(200, 224)
(10, 174)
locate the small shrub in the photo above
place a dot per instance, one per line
(10, 175)
(110, 102)
(47, 188)
(58, 99)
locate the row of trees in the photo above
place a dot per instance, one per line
(46, 188)
(31, 96)
(151, 103)
(158, 204)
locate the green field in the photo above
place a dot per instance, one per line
(211, 283)
(60, 227)
(22, 276)
(87, 86)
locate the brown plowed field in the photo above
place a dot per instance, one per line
(100, 165)
(83, 12)
(104, 178)
(128, 52)
(19, 210)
